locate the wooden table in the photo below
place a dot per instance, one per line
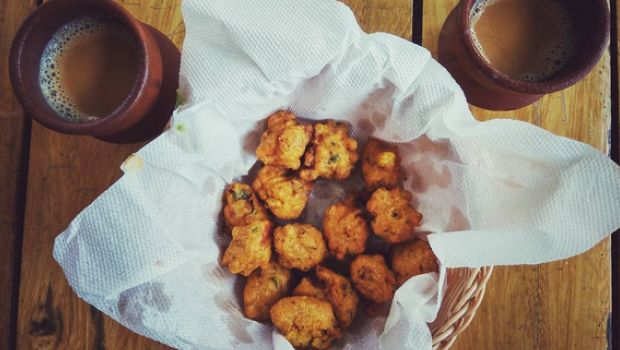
(46, 178)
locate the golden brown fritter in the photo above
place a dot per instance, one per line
(332, 153)
(372, 278)
(305, 321)
(242, 207)
(284, 141)
(299, 246)
(345, 229)
(249, 249)
(412, 258)
(263, 288)
(308, 288)
(340, 294)
(394, 219)
(285, 196)
(381, 165)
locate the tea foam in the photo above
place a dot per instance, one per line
(50, 67)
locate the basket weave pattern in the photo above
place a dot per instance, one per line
(464, 293)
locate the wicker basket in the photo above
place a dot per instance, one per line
(465, 290)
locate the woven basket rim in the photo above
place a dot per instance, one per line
(463, 311)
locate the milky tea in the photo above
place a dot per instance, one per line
(88, 68)
(528, 40)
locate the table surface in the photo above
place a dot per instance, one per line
(46, 178)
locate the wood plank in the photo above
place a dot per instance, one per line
(390, 16)
(560, 305)
(66, 174)
(12, 133)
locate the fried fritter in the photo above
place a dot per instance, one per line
(345, 229)
(372, 278)
(285, 196)
(299, 246)
(249, 249)
(263, 288)
(340, 294)
(394, 219)
(242, 207)
(412, 258)
(305, 321)
(332, 153)
(381, 165)
(308, 288)
(284, 141)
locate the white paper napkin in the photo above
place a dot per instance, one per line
(146, 252)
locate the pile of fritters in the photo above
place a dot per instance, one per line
(288, 282)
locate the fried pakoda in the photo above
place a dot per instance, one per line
(332, 153)
(308, 288)
(299, 246)
(284, 141)
(394, 219)
(340, 294)
(372, 278)
(285, 196)
(242, 207)
(263, 288)
(345, 229)
(381, 165)
(305, 321)
(412, 258)
(249, 249)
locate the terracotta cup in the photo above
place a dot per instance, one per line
(486, 87)
(149, 105)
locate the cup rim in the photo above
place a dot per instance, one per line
(127, 113)
(542, 87)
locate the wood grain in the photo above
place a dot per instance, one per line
(561, 305)
(390, 16)
(66, 174)
(12, 130)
